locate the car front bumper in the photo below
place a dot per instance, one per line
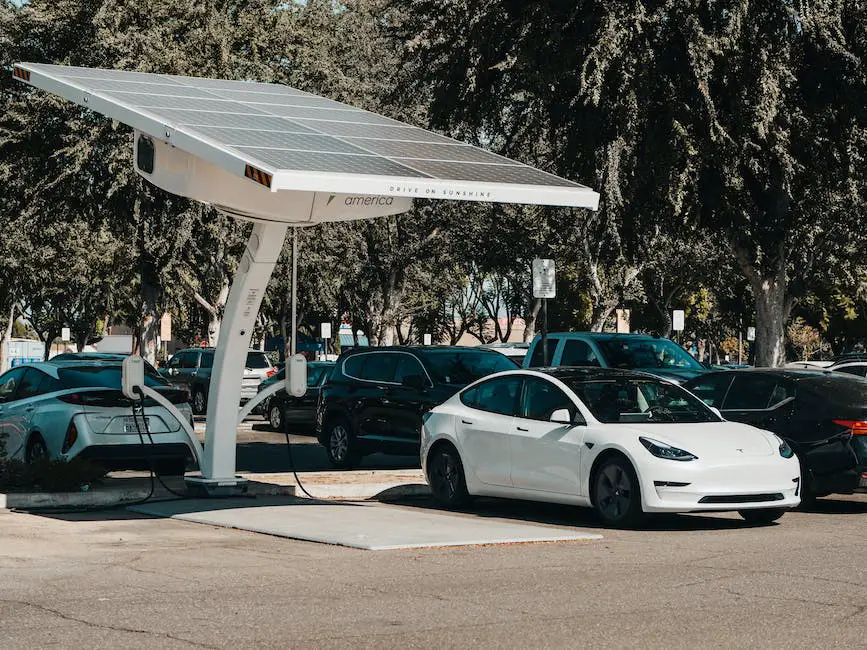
(733, 484)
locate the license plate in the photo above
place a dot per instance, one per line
(129, 424)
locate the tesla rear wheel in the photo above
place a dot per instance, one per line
(616, 494)
(275, 417)
(340, 445)
(36, 449)
(762, 515)
(448, 484)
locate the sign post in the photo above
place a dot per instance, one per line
(544, 287)
(426, 339)
(325, 333)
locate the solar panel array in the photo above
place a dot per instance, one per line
(281, 128)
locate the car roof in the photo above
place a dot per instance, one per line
(208, 348)
(793, 374)
(418, 348)
(593, 373)
(603, 336)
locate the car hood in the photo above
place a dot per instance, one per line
(711, 440)
(677, 375)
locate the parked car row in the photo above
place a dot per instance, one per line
(608, 425)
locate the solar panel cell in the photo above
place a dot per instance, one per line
(430, 151)
(329, 162)
(399, 133)
(280, 140)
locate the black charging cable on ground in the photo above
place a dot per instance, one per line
(291, 458)
(150, 457)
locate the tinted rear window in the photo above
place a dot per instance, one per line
(257, 360)
(101, 377)
(462, 367)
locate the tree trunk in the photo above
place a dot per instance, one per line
(773, 307)
(600, 316)
(530, 321)
(772, 313)
(4, 341)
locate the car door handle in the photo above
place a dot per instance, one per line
(465, 422)
(522, 429)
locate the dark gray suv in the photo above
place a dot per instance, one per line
(191, 369)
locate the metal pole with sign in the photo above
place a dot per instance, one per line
(677, 322)
(544, 287)
(325, 332)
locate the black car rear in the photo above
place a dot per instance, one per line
(822, 415)
(375, 397)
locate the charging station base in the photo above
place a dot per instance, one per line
(200, 486)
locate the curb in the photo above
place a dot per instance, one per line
(117, 497)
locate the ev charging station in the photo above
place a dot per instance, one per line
(280, 158)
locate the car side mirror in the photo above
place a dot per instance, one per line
(562, 416)
(416, 382)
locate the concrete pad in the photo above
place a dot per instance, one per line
(366, 526)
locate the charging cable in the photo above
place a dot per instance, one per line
(147, 449)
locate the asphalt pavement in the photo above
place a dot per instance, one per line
(113, 578)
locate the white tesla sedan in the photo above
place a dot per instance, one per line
(623, 442)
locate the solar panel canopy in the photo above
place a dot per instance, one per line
(272, 137)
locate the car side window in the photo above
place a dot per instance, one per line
(207, 360)
(408, 366)
(536, 360)
(9, 384)
(750, 393)
(542, 398)
(578, 353)
(858, 370)
(712, 390)
(190, 360)
(379, 367)
(498, 395)
(30, 384)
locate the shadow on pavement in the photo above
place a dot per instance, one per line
(564, 515)
(834, 506)
(273, 457)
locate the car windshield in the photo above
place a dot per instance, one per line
(462, 367)
(625, 400)
(257, 360)
(82, 376)
(646, 353)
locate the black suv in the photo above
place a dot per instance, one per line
(375, 397)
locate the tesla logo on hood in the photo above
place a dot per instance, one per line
(741, 450)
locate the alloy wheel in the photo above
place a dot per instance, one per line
(339, 443)
(614, 492)
(274, 417)
(446, 476)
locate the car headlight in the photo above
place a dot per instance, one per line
(785, 450)
(662, 450)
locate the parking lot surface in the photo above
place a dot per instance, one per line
(110, 579)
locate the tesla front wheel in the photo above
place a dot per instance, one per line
(762, 515)
(616, 493)
(448, 483)
(341, 446)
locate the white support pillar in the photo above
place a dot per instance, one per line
(242, 307)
